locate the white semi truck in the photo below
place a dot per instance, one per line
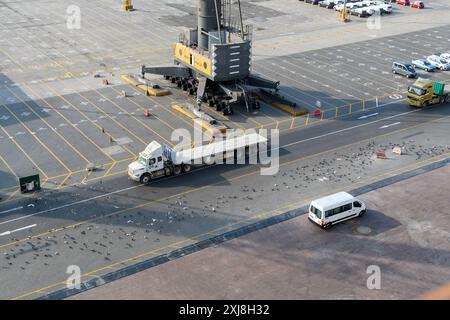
(160, 160)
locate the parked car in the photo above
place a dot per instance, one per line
(361, 12)
(350, 6)
(423, 64)
(327, 3)
(385, 8)
(404, 69)
(316, 2)
(403, 2)
(418, 5)
(439, 62)
(445, 55)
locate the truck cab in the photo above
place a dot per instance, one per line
(149, 163)
(426, 92)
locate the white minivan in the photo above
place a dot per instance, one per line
(335, 208)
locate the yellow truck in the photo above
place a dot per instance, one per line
(425, 92)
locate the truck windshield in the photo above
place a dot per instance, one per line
(142, 161)
(416, 91)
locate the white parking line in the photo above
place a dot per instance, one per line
(13, 209)
(6, 233)
(368, 116)
(389, 125)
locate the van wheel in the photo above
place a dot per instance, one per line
(327, 226)
(362, 213)
(186, 167)
(176, 170)
(145, 178)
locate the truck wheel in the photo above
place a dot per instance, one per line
(186, 167)
(167, 171)
(447, 98)
(176, 170)
(145, 178)
(425, 104)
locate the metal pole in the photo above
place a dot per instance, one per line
(344, 14)
(240, 18)
(218, 21)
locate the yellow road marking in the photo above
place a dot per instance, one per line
(68, 121)
(12, 195)
(8, 166)
(109, 169)
(37, 139)
(50, 127)
(24, 152)
(64, 180)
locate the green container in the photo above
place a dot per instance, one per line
(30, 183)
(438, 88)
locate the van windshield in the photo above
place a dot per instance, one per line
(316, 211)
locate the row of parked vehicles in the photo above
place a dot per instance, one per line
(359, 8)
(436, 61)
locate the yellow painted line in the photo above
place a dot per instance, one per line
(8, 166)
(142, 107)
(146, 89)
(84, 115)
(12, 195)
(37, 139)
(106, 176)
(64, 180)
(145, 143)
(24, 152)
(109, 169)
(43, 182)
(164, 108)
(68, 121)
(50, 127)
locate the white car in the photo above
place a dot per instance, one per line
(351, 5)
(445, 55)
(379, 8)
(439, 62)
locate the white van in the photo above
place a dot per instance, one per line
(335, 208)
